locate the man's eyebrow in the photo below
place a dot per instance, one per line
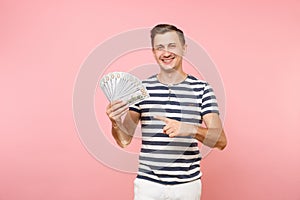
(159, 45)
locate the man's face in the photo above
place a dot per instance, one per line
(168, 51)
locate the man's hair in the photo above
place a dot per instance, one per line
(164, 28)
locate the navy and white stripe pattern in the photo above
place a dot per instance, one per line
(172, 160)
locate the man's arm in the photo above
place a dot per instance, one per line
(122, 131)
(212, 135)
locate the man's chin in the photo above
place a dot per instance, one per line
(167, 68)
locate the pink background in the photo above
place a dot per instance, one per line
(255, 45)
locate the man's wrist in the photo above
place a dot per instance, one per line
(194, 131)
(189, 129)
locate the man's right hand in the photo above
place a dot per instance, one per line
(115, 110)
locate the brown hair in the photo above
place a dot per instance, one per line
(163, 28)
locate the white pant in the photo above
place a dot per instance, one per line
(147, 190)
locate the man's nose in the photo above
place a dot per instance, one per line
(166, 52)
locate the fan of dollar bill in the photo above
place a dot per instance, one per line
(123, 86)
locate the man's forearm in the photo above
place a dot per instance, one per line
(212, 137)
(121, 135)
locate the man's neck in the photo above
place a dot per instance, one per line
(171, 77)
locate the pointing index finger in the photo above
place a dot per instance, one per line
(161, 118)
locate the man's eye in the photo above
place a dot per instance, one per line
(172, 46)
(160, 48)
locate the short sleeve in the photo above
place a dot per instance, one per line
(135, 107)
(209, 101)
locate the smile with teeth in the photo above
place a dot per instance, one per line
(167, 60)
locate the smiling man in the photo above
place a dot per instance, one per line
(171, 118)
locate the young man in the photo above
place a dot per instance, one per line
(171, 118)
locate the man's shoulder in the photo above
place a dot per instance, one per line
(196, 81)
(151, 79)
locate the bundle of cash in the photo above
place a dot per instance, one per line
(123, 86)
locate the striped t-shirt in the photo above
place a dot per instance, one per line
(172, 160)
